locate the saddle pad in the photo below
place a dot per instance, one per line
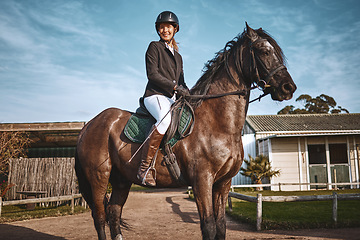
(138, 127)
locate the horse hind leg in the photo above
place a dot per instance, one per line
(93, 190)
(120, 192)
(99, 215)
(99, 183)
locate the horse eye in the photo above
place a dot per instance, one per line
(266, 52)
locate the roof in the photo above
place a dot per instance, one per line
(305, 124)
(50, 134)
(46, 126)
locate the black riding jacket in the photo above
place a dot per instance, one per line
(164, 70)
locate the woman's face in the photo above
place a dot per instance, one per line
(166, 31)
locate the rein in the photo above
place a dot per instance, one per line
(239, 92)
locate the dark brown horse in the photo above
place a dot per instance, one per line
(208, 158)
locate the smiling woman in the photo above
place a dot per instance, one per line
(164, 68)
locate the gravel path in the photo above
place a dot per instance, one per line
(164, 214)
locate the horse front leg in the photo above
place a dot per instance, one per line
(220, 196)
(203, 196)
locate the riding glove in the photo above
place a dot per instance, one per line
(181, 91)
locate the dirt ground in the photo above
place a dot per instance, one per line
(165, 214)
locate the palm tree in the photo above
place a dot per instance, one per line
(258, 169)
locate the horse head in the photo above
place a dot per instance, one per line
(267, 67)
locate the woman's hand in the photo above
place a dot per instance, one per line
(181, 91)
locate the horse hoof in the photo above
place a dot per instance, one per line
(118, 237)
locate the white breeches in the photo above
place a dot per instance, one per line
(159, 106)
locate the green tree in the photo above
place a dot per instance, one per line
(258, 169)
(319, 104)
(12, 145)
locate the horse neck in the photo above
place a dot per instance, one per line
(228, 112)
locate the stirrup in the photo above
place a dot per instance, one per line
(143, 180)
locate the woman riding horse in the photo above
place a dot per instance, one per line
(209, 157)
(164, 68)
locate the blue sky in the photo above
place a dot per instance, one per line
(69, 60)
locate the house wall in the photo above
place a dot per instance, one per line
(249, 145)
(284, 156)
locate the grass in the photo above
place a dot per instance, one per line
(19, 212)
(296, 215)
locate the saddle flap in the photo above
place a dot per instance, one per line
(139, 125)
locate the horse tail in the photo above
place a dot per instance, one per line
(84, 185)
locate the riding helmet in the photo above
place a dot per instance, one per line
(167, 17)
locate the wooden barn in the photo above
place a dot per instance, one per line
(49, 166)
(307, 148)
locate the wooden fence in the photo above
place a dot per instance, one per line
(55, 176)
(279, 185)
(41, 200)
(259, 199)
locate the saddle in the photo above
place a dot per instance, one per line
(182, 121)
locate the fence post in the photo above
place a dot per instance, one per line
(279, 187)
(72, 204)
(334, 210)
(230, 203)
(259, 211)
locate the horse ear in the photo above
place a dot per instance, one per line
(251, 33)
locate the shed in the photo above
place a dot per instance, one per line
(49, 166)
(307, 148)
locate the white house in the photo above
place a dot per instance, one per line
(307, 148)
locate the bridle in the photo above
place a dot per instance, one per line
(256, 81)
(262, 83)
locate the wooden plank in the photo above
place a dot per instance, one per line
(41, 200)
(242, 197)
(349, 196)
(297, 198)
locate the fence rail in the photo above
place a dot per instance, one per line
(295, 184)
(42, 200)
(259, 199)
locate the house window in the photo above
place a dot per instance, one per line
(338, 153)
(317, 154)
(339, 166)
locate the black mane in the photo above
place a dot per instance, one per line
(212, 66)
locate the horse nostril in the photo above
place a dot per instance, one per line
(288, 87)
